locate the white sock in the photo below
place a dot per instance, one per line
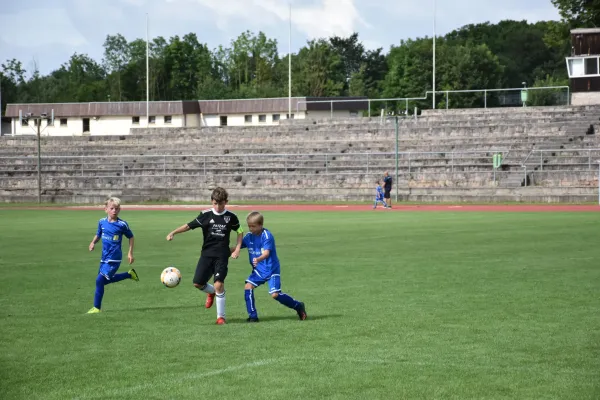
(209, 289)
(221, 305)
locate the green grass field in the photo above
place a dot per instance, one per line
(435, 305)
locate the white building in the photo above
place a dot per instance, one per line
(118, 118)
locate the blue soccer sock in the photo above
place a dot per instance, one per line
(287, 300)
(100, 282)
(249, 296)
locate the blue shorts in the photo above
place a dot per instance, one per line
(109, 269)
(274, 281)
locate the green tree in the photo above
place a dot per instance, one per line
(317, 70)
(579, 13)
(116, 56)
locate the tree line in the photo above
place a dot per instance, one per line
(476, 56)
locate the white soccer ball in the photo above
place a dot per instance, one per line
(170, 277)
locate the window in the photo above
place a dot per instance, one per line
(262, 118)
(49, 122)
(288, 116)
(580, 67)
(276, 117)
(248, 119)
(168, 119)
(24, 122)
(152, 119)
(223, 120)
(591, 66)
(135, 120)
(63, 122)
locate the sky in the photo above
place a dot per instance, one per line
(46, 33)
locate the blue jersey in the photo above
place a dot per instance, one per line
(111, 234)
(379, 193)
(256, 244)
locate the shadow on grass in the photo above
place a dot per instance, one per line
(283, 318)
(155, 308)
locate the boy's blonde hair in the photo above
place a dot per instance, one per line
(115, 200)
(255, 218)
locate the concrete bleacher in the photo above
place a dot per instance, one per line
(444, 155)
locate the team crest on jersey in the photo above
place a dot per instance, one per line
(226, 219)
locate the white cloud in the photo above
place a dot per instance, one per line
(40, 27)
(326, 18)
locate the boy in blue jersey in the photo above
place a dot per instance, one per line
(379, 196)
(265, 267)
(111, 231)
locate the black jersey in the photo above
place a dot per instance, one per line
(216, 229)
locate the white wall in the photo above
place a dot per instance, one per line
(192, 120)
(240, 119)
(106, 125)
(74, 126)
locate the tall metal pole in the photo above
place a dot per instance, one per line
(147, 75)
(396, 201)
(433, 54)
(38, 121)
(290, 67)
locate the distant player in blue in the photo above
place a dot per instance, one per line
(265, 267)
(379, 196)
(111, 230)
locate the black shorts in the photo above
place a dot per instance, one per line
(386, 195)
(209, 266)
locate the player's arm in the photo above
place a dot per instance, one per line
(130, 252)
(263, 256)
(238, 245)
(93, 242)
(181, 229)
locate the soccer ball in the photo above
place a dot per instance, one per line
(170, 277)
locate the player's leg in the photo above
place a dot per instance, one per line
(204, 270)
(253, 281)
(98, 294)
(106, 275)
(284, 298)
(220, 266)
(109, 270)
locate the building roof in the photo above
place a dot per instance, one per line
(238, 106)
(584, 30)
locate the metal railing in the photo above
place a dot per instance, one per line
(590, 155)
(235, 164)
(406, 100)
(486, 91)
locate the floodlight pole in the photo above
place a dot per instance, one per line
(290, 67)
(147, 75)
(396, 123)
(433, 89)
(38, 122)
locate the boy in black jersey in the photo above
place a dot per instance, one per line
(217, 223)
